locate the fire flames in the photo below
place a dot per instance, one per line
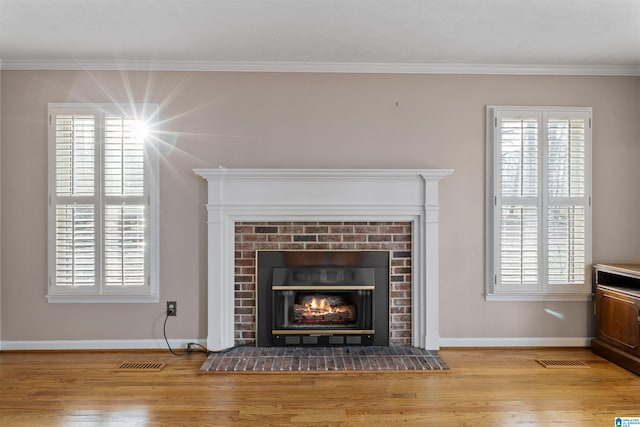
(322, 306)
(321, 310)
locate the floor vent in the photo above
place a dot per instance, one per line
(141, 366)
(560, 364)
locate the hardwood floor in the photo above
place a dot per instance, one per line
(485, 387)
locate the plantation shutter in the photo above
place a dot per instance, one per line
(541, 204)
(100, 204)
(566, 219)
(519, 213)
(124, 210)
(75, 209)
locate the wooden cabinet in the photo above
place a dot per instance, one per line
(618, 314)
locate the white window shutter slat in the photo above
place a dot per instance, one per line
(75, 155)
(519, 245)
(75, 245)
(124, 157)
(567, 244)
(124, 245)
(519, 157)
(566, 168)
(566, 218)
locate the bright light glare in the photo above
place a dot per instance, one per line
(554, 313)
(142, 130)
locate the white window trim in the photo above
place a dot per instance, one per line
(545, 292)
(152, 196)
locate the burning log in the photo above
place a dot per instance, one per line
(323, 309)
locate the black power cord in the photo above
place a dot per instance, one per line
(190, 349)
(164, 331)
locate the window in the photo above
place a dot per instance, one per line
(539, 203)
(103, 204)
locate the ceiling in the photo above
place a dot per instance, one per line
(510, 36)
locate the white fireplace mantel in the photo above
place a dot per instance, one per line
(243, 195)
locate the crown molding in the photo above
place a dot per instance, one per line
(323, 67)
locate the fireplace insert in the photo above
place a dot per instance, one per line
(323, 298)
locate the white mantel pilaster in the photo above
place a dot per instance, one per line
(243, 195)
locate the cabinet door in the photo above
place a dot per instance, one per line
(617, 320)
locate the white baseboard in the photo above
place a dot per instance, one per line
(179, 344)
(517, 342)
(176, 344)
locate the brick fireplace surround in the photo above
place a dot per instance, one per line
(319, 209)
(394, 237)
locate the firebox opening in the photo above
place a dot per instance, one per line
(323, 310)
(323, 298)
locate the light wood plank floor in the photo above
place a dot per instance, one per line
(485, 387)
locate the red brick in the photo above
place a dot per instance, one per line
(248, 319)
(342, 246)
(392, 229)
(243, 229)
(402, 302)
(291, 229)
(366, 229)
(397, 327)
(291, 246)
(280, 238)
(240, 246)
(380, 238)
(344, 229)
(329, 238)
(371, 246)
(265, 230)
(245, 295)
(254, 238)
(398, 246)
(317, 246)
(399, 318)
(354, 238)
(249, 286)
(316, 230)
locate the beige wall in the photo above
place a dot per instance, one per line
(0, 206)
(306, 120)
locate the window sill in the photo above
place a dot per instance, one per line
(103, 298)
(524, 297)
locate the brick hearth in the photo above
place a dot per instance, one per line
(388, 236)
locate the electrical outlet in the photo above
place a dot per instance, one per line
(172, 308)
